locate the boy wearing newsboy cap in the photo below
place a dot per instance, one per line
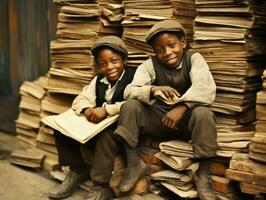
(103, 97)
(187, 86)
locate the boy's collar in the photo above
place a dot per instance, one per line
(106, 82)
(180, 64)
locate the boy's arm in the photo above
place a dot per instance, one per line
(140, 87)
(86, 99)
(172, 117)
(203, 88)
(113, 109)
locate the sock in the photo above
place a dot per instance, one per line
(132, 156)
(204, 166)
(101, 184)
(118, 139)
(78, 168)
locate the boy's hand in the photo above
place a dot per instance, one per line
(169, 92)
(171, 119)
(95, 114)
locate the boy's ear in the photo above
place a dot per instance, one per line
(125, 62)
(98, 70)
(183, 42)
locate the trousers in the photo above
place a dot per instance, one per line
(104, 152)
(198, 124)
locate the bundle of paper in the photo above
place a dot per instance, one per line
(261, 108)
(249, 173)
(185, 11)
(72, 62)
(174, 178)
(177, 163)
(27, 158)
(178, 182)
(257, 149)
(177, 148)
(54, 103)
(28, 121)
(229, 36)
(111, 15)
(139, 17)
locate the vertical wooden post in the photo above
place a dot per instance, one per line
(4, 69)
(15, 51)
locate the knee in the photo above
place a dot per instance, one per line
(202, 113)
(131, 106)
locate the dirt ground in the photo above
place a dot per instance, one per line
(18, 183)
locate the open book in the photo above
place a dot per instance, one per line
(77, 127)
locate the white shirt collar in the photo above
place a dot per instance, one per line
(180, 65)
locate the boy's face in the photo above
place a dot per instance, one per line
(110, 64)
(169, 48)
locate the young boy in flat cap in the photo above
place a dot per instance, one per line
(178, 75)
(101, 98)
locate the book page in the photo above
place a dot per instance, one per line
(77, 127)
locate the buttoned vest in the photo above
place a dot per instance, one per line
(119, 92)
(175, 78)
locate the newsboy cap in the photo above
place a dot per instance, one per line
(112, 42)
(168, 25)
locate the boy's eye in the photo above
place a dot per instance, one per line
(172, 45)
(158, 50)
(102, 64)
(114, 61)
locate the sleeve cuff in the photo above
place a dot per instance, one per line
(190, 105)
(113, 109)
(145, 94)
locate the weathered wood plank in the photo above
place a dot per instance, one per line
(24, 49)
(252, 188)
(4, 70)
(239, 176)
(28, 40)
(14, 48)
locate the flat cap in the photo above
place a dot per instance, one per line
(112, 42)
(168, 25)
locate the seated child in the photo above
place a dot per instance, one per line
(101, 98)
(179, 75)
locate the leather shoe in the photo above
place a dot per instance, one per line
(131, 176)
(69, 185)
(100, 193)
(204, 186)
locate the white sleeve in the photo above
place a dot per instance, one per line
(113, 109)
(203, 88)
(87, 97)
(141, 85)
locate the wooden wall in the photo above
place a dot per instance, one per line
(28, 40)
(26, 29)
(4, 71)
